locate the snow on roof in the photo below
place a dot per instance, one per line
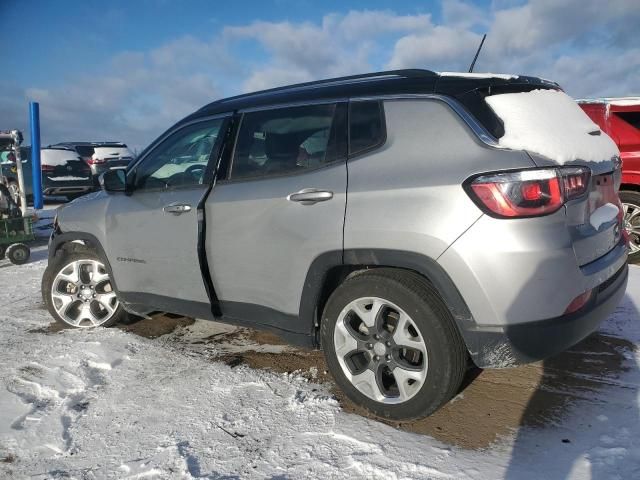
(617, 101)
(503, 76)
(550, 123)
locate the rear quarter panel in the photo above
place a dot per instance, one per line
(408, 194)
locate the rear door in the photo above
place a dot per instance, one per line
(280, 207)
(153, 233)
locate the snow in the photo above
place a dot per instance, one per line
(108, 404)
(502, 76)
(624, 102)
(617, 101)
(550, 123)
(603, 214)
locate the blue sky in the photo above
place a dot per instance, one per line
(128, 70)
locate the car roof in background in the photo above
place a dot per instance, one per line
(612, 100)
(90, 144)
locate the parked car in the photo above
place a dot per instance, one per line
(620, 119)
(390, 219)
(101, 156)
(64, 173)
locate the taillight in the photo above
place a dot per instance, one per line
(528, 193)
(575, 181)
(94, 161)
(47, 168)
(579, 302)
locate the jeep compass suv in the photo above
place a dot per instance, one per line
(406, 222)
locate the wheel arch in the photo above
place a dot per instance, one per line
(327, 272)
(630, 187)
(68, 241)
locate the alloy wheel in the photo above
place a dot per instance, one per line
(631, 221)
(381, 350)
(82, 294)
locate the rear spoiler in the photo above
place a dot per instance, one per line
(471, 90)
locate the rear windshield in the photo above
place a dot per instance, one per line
(550, 123)
(84, 150)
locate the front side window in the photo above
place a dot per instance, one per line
(283, 140)
(181, 159)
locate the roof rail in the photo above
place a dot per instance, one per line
(388, 74)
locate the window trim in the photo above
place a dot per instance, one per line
(230, 180)
(210, 170)
(383, 138)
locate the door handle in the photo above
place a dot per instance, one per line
(309, 196)
(177, 208)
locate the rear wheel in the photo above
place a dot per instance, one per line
(391, 344)
(78, 292)
(18, 253)
(631, 208)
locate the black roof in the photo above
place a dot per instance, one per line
(393, 82)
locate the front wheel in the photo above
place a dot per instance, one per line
(631, 209)
(78, 292)
(392, 345)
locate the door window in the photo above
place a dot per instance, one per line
(181, 159)
(366, 126)
(284, 140)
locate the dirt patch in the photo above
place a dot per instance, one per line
(53, 327)
(494, 402)
(156, 325)
(153, 327)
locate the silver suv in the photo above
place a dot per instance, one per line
(391, 219)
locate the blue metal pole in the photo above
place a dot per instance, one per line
(36, 171)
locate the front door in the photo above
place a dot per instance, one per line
(152, 234)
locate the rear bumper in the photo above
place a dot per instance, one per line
(533, 341)
(65, 188)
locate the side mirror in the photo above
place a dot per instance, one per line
(113, 180)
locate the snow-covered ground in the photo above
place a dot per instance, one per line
(109, 404)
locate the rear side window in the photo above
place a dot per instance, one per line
(284, 140)
(366, 126)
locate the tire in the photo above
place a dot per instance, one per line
(18, 253)
(433, 371)
(631, 203)
(81, 300)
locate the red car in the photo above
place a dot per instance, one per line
(620, 119)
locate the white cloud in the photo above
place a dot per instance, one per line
(464, 14)
(337, 45)
(442, 47)
(589, 47)
(133, 98)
